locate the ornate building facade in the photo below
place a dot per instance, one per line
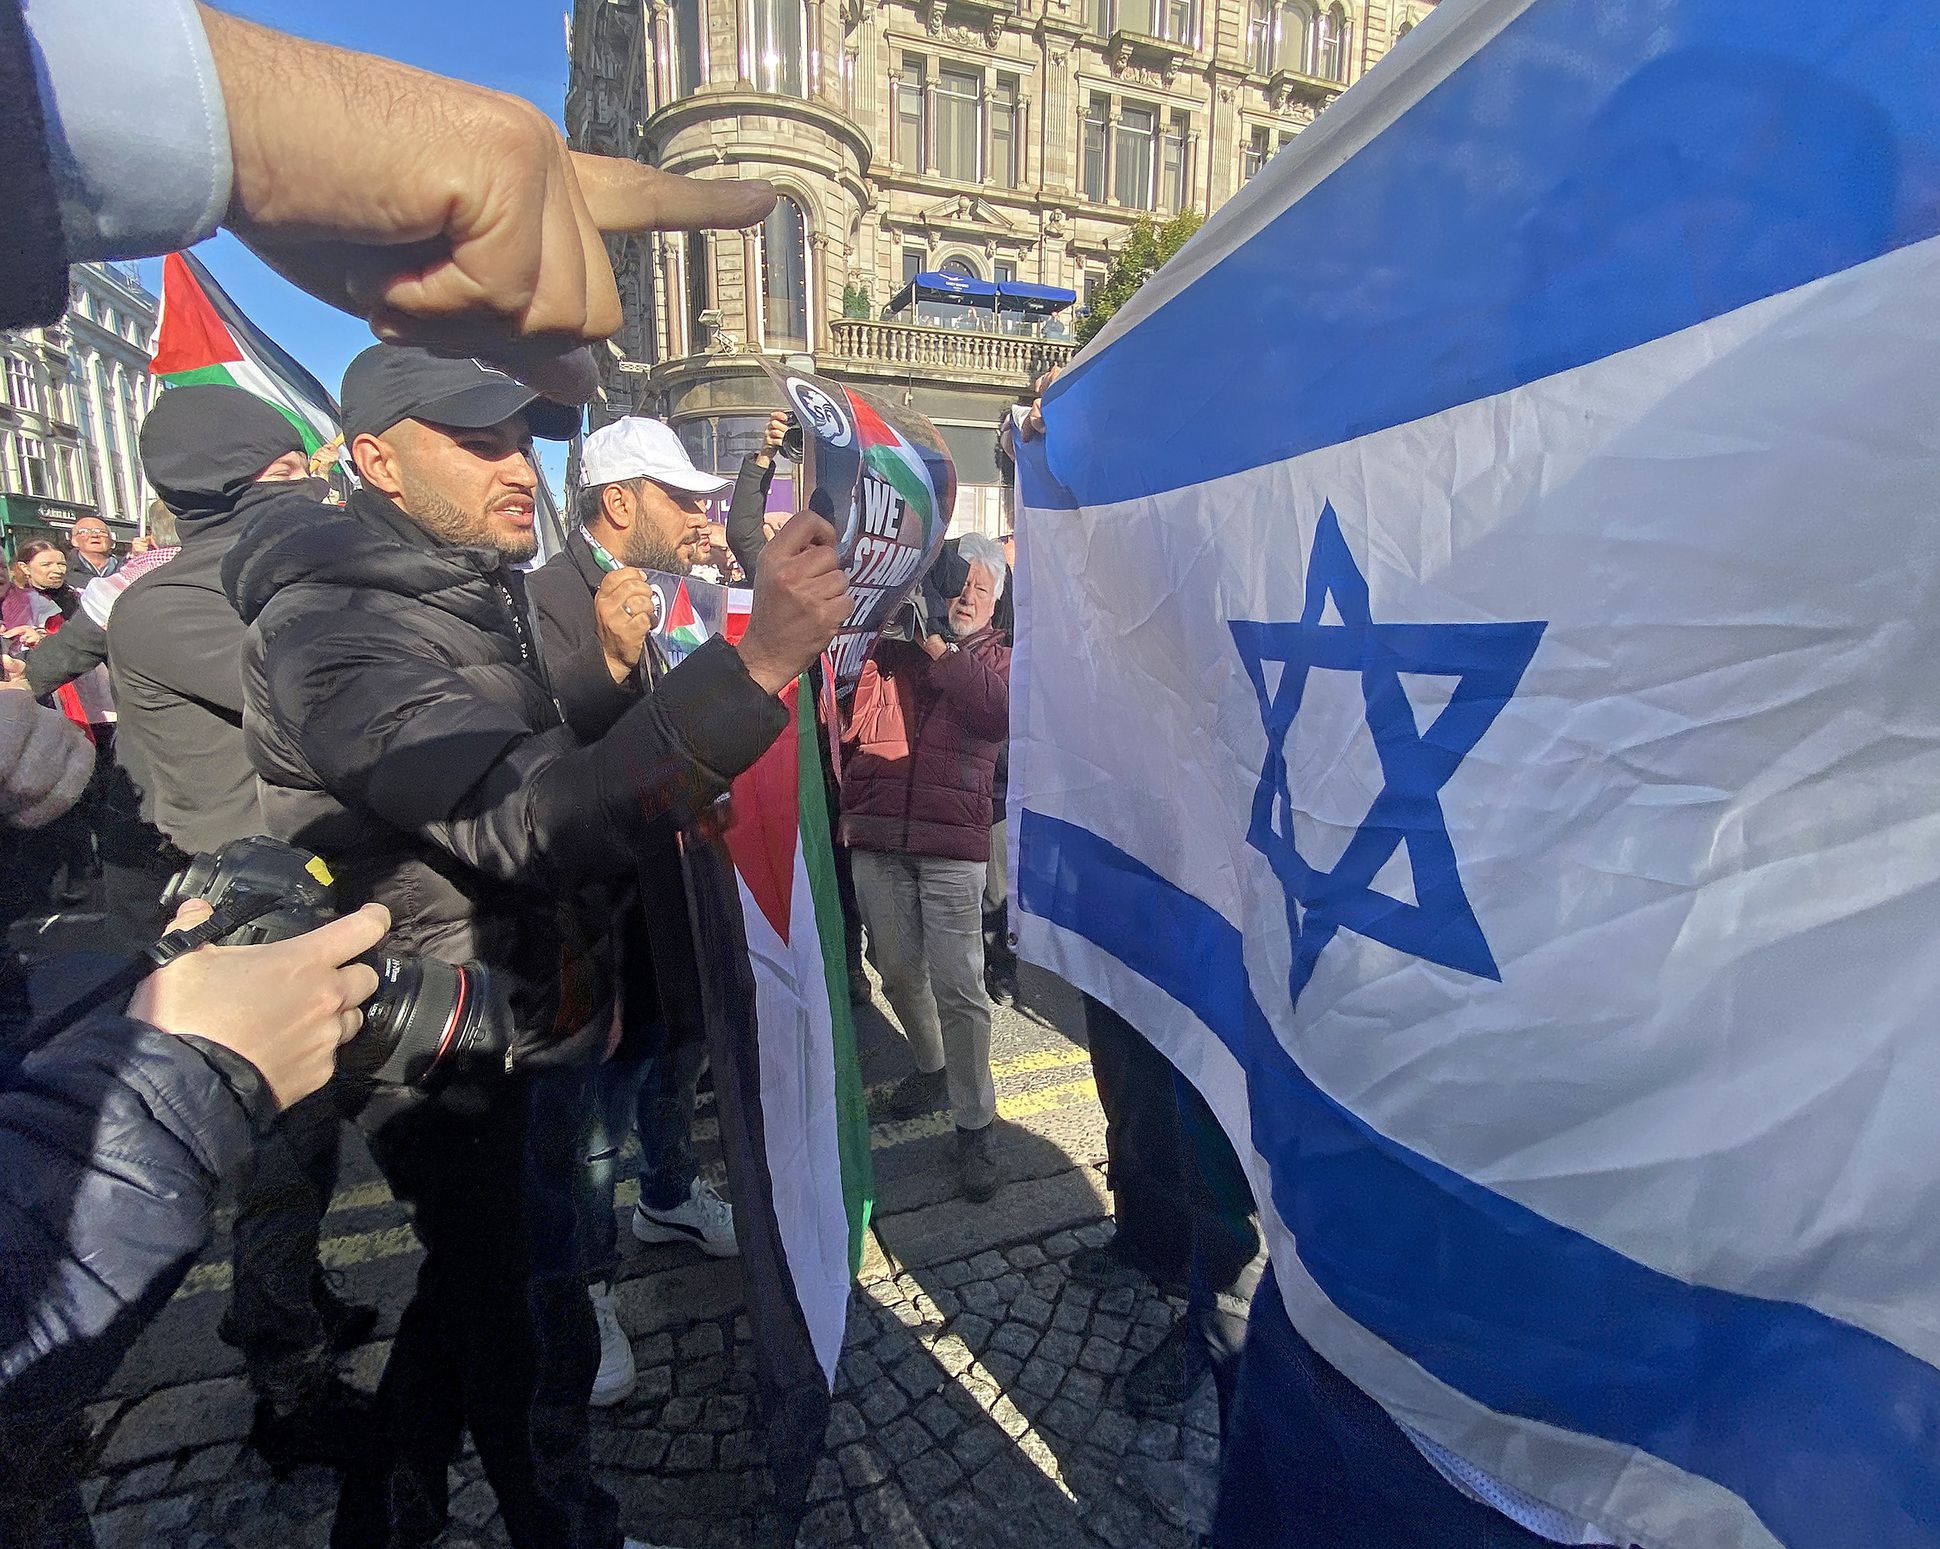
(71, 405)
(997, 141)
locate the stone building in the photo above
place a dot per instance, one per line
(991, 141)
(72, 400)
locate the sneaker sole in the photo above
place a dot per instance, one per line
(651, 1232)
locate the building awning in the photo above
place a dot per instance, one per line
(1006, 296)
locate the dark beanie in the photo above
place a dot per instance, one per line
(203, 445)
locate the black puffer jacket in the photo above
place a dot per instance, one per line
(398, 716)
(114, 1140)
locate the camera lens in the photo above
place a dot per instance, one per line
(793, 443)
(426, 1015)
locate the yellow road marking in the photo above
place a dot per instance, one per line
(395, 1241)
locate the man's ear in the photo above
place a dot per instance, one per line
(377, 464)
(617, 506)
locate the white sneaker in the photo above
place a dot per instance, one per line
(616, 1375)
(703, 1218)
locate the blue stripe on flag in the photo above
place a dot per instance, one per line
(1828, 1432)
(1603, 173)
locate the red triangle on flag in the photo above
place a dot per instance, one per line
(680, 612)
(874, 431)
(192, 337)
(765, 831)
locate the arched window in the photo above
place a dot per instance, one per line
(1296, 37)
(1259, 37)
(961, 266)
(778, 45)
(690, 60)
(1403, 30)
(784, 277)
(700, 288)
(1331, 54)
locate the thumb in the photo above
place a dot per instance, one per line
(191, 914)
(625, 196)
(341, 940)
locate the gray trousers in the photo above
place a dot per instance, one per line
(925, 919)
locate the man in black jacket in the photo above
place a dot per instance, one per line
(215, 455)
(401, 722)
(642, 506)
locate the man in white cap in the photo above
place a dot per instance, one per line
(642, 506)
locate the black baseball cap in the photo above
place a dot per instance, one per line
(389, 383)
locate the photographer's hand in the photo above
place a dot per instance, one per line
(771, 437)
(801, 597)
(286, 1007)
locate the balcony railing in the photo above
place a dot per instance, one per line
(868, 343)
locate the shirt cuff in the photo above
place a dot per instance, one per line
(136, 126)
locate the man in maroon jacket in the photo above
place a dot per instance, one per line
(928, 720)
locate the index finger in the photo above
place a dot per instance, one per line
(342, 939)
(801, 531)
(626, 196)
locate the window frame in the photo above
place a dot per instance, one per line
(949, 123)
(759, 18)
(1096, 116)
(1145, 142)
(769, 340)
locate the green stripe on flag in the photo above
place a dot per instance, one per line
(909, 482)
(222, 376)
(818, 860)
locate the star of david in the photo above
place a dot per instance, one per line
(1485, 662)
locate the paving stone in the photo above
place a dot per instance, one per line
(845, 1425)
(92, 1490)
(1025, 1256)
(861, 1467)
(681, 1414)
(689, 1452)
(1158, 1439)
(973, 1328)
(1076, 1295)
(1120, 1299)
(1041, 1377)
(1003, 1367)
(1105, 1326)
(1145, 1338)
(644, 1452)
(140, 1483)
(1113, 1430)
(951, 1355)
(981, 1296)
(884, 1403)
(1032, 1309)
(948, 1303)
(1099, 1355)
(976, 1446)
(891, 1348)
(738, 1450)
(725, 1413)
(830, 1524)
(1086, 1389)
(950, 1276)
(927, 1475)
(858, 1369)
(917, 1375)
(210, 1466)
(903, 1439)
(702, 1376)
(1071, 1318)
(827, 1480)
(475, 1505)
(988, 1265)
(1061, 1347)
(1154, 1313)
(939, 1418)
(1047, 1282)
(196, 1414)
(1096, 1235)
(887, 1520)
(1018, 1339)
(653, 1384)
(1061, 1245)
(702, 1341)
(1201, 1450)
(1010, 1419)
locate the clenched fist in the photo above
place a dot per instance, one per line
(623, 610)
(801, 597)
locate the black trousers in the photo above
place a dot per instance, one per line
(279, 1219)
(499, 1337)
(1182, 1203)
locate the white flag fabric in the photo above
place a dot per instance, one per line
(1475, 709)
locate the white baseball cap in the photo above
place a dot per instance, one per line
(639, 448)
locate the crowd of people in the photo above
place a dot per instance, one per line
(494, 761)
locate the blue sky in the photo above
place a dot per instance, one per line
(512, 45)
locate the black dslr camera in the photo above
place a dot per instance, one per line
(426, 1017)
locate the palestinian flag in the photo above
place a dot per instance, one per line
(684, 625)
(794, 1128)
(893, 458)
(204, 337)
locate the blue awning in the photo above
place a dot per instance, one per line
(1008, 296)
(1035, 298)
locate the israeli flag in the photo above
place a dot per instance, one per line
(1477, 707)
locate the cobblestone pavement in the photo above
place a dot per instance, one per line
(978, 1397)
